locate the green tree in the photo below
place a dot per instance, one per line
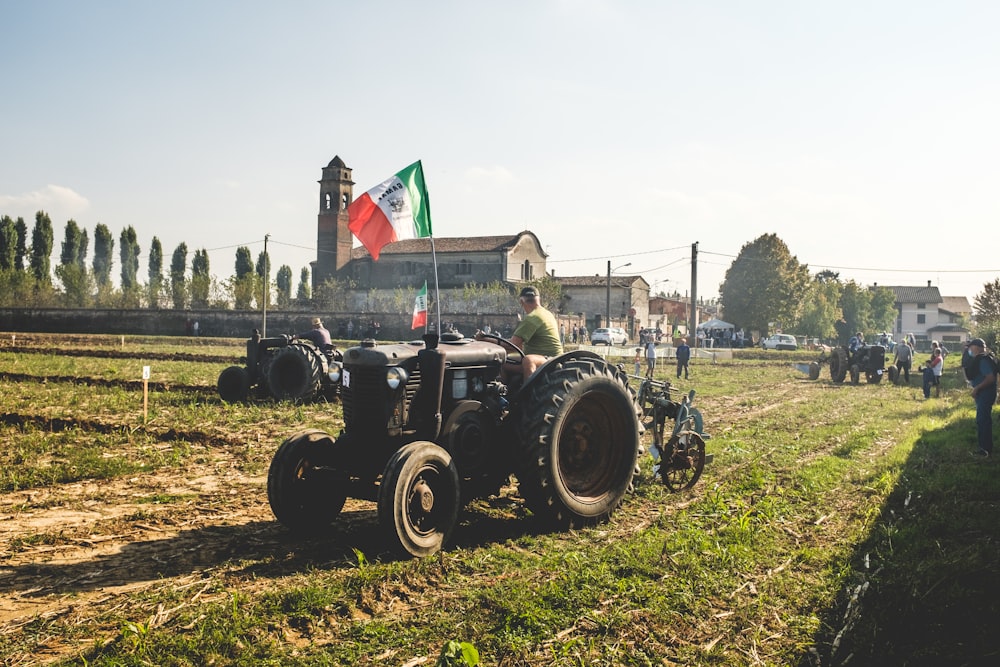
(71, 273)
(819, 308)
(22, 244)
(263, 277)
(764, 284)
(41, 248)
(856, 307)
(284, 284)
(304, 292)
(201, 281)
(128, 252)
(987, 303)
(243, 284)
(8, 243)
(549, 291)
(155, 285)
(104, 248)
(883, 309)
(178, 266)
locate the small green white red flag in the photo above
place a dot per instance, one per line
(420, 308)
(397, 208)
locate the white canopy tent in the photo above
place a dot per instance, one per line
(715, 324)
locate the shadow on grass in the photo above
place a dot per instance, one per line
(260, 548)
(924, 587)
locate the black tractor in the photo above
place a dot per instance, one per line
(283, 367)
(867, 359)
(431, 425)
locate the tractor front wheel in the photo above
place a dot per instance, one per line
(418, 499)
(305, 492)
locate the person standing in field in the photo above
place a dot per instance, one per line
(981, 373)
(904, 359)
(650, 356)
(638, 360)
(683, 357)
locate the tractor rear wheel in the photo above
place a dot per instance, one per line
(305, 492)
(838, 364)
(234, 384)
(295, 373)
(578, 439)
(418, 499)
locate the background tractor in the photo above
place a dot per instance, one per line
(285, 368)
(867, 359)
(431, 425)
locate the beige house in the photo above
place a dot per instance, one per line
(923, 312)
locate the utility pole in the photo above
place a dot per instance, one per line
(267, 260)
(607, 302)
(693, 329)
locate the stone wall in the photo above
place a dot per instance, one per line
(229, 323)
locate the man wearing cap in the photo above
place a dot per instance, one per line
(319, 336)
(981, 375)
(537, 334)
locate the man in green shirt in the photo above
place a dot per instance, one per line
(537, 334)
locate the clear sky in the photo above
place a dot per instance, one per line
(866, 135)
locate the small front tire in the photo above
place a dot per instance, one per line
(418, 499)
(305, 492)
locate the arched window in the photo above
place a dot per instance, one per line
(464, 268)
(343, 202)
(327, 201)
(526, 271)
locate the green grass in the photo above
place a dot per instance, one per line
(837, 524)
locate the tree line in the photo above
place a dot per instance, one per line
(767, 288)
(26, 274)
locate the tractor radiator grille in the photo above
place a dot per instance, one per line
(366, 401)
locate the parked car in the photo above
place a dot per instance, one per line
(612, 336)
(779, 342)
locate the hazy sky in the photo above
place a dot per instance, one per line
(866, 135)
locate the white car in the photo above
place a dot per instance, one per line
(779, 342)
(612, 336)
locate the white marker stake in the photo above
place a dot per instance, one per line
(145, 394)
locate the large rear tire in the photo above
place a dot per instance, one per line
(305, 492)
(838, 364)
(418, 499)
(578, 439)
(234, 384)
(295, 373)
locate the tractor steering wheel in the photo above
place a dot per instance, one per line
(503, 342)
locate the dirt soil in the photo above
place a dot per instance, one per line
(76, 552)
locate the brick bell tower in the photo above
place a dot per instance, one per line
(333, 238)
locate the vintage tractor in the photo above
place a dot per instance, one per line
(867, 359)
(285, 368)
(431, 425)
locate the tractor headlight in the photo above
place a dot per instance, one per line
(395, 377)
(335, 371)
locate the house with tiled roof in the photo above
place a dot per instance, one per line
(625, 298)
(922, 311)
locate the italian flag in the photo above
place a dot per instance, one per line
(420, 308)
(397, 208)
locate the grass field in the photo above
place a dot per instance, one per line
(837, 525)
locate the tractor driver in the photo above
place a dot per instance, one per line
(318, 335)
(537, 334)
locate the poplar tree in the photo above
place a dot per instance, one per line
(155, 285)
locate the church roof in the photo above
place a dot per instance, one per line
(460, 244)
(336, 162)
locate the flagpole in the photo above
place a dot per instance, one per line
(437, 289)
